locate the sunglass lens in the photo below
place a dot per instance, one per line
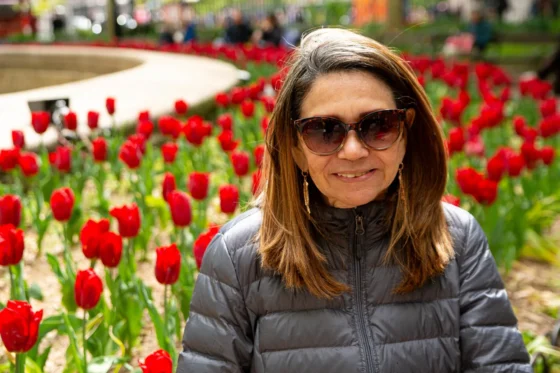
(323, 135)
(381, 130)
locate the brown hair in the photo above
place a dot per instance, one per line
(420, 241)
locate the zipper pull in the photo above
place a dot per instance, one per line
(359, 225)
(359, 232)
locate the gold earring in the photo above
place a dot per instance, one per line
(306, 192)
(401, 184)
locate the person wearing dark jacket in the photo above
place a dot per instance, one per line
(350, 262)
(239, 31)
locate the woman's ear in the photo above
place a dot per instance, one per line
(410, 115)
(299, 158)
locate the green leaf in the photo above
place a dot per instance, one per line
(32, 367)
(74, 346)
(35, 292)
(42, 358)
(162, 337)
(102, 364)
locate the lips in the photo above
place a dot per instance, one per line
(352, 174)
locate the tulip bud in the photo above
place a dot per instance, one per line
(62, 203)
(87, 289)
(168, 264)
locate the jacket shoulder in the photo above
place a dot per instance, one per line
(239, 236)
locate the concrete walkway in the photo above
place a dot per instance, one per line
(158, 80)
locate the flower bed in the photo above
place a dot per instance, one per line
(120, 202)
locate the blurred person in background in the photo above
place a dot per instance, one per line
(239, 31)
(189, 29)
(552, 67)
(481, 30)
(270, 33)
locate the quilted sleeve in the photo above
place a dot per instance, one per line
(490, 340)
(217, 336)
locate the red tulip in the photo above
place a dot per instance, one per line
(145, 128)
(240, 162)
(550, 126)
(530, 152)
(449, 198)
(10, 210)
(530, 134)
(456, 140)
(93, 119)
(547, 155)
(128, 218)
(225, 121)
(18, 139)
(255, 188)
(168, 264)
(229, 198)
(169, 126)
(158, 362)
(62, 203)
(474, 147)
(90, 237)
(19, 326)
(139, 140)
(519, 124)
(515, 164)
(181, 107)
(168, 185)
(11, 245)
(259, 154)
(28, 164)
(268, 103)
(9, 158)
(61, 158)
(40, 121)
(255, 91)
(548, 107)
(144, 116)
(110, 105)
(201, 244)
(87, 289)
(71, 121)
(180, 207)
(131, 154)
(110, 249)
(467, 179)
(227, 142)
(486, 191)
(248, 109)
(264, 124)
(198, 185)
(238, 95)
(495, 168)
(99, 149)
(222, 100)
(169, 152)
(195, 130)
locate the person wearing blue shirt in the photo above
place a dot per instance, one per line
(481, 30)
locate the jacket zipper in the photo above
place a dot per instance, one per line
(362, 331)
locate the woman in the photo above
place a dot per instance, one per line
(351, 263)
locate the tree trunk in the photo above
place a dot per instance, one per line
(395, 19)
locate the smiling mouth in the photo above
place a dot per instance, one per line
(353, 175)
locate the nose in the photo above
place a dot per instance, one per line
(353, 148)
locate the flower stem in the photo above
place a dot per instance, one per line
(84, 340)
(165, 309)
(20, 362)
(13, 294)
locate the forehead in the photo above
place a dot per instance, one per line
(347, 95)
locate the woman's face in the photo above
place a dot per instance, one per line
(356, 174)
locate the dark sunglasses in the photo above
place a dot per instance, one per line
(377, 130)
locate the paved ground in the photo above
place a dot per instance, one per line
(154, 85)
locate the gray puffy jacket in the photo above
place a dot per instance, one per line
(242, 319)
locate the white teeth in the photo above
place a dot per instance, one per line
(353, 175)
